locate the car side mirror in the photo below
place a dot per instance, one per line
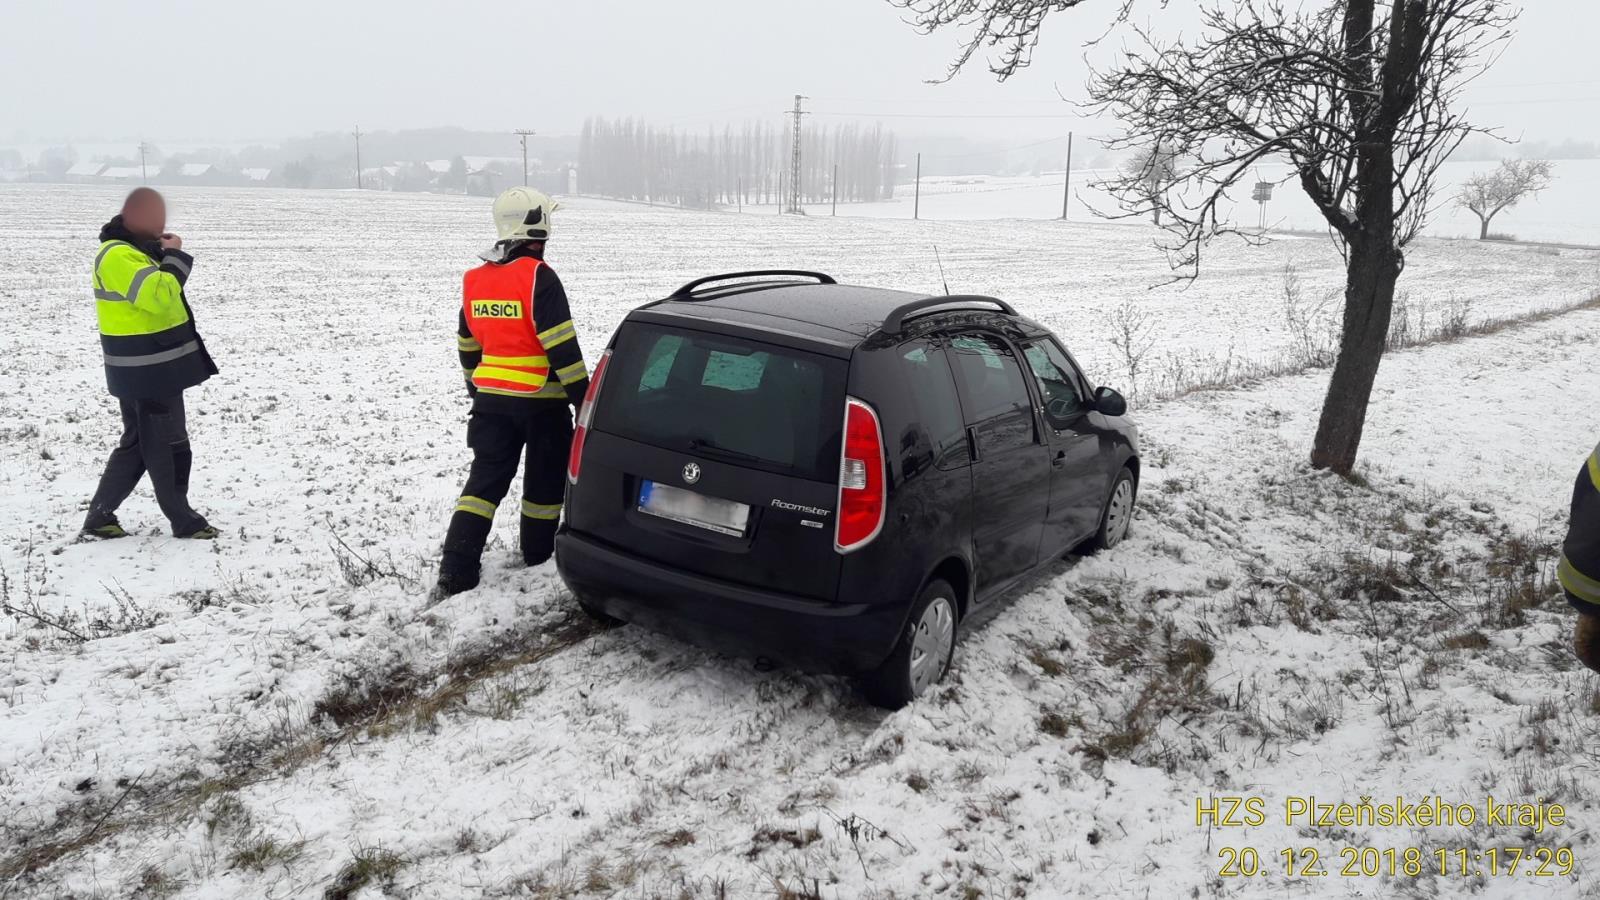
(1110, 403)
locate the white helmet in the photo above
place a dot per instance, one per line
(523, 214)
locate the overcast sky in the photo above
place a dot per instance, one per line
(185, 70)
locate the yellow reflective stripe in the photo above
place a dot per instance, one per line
(1594, 468)
(138, 281)
(531, 362)
(546, 511)
(467, 344)
(575, 372)
(512, 375)
(477, 506)
(1576, 583)
(560, 334)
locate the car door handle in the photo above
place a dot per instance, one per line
(1060, 460)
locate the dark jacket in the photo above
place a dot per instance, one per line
(130, 372)
(1579, 569)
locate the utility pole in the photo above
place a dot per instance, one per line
(916, 203)
(780, 192)
(358, 157)
(794, 158)
(1066, 190)
(523, 134)
(144, 174)
(836, 189)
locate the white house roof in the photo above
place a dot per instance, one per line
(120, 172)
(441, 166)
(256, 174)
(195, 170)
(86, 169)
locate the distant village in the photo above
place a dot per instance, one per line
(477, 175)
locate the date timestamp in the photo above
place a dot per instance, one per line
(1395, 862)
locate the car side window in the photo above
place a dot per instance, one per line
(933, 389)
(1063, 399)
(994, 391)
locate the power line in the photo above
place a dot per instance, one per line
(794, 158)
(523, 134)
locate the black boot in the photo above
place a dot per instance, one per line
(455, 576)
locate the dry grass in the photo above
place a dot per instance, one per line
(371, 866)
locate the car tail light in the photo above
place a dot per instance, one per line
(863, 489)
(585, 416)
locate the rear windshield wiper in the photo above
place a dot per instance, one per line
(711, 448)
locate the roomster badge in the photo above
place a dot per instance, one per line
(691, 473)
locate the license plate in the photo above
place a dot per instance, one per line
(711, 513)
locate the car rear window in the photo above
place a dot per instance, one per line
(738, 400)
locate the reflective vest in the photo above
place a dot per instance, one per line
(1579, 569)
(498, 302)
(151, 347)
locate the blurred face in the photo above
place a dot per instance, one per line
(146, 215)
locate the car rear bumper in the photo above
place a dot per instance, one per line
(838, 638)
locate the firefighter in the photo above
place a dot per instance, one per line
(524, 371)
(152, 354)
(1579, 569)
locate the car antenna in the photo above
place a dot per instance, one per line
(941, 270)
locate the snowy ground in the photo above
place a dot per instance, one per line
(1562, 214)
(1265, 632)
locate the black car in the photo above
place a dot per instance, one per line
(834, 476)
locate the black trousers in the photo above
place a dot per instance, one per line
(499, 442)
(155, 440)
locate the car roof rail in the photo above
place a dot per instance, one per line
(898, 316)
(687, 291)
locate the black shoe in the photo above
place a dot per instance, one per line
(453, 582)
(105, 532)
(203, 533)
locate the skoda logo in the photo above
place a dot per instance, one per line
(691, 473)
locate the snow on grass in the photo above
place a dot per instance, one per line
(284, 712)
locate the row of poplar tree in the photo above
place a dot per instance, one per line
(747, 164)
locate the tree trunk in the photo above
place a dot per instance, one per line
(1374, 268)
(1483, 230)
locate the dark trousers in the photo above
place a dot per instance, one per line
(154, 440)
(499, 442)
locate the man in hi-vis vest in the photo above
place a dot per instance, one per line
(152, 354)
(519, 352)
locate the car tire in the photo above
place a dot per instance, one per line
(1117, 514)
(921, 656)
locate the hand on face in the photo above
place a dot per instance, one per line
(170, 241)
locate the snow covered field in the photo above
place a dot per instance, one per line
(1562, 214)
(255, 717)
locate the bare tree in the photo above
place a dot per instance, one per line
(1153, 169)
(1487, 194)
(1359, 97)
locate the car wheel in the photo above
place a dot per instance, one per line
(922, 655)
(1116, 515)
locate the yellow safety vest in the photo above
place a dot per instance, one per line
(148, 337)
